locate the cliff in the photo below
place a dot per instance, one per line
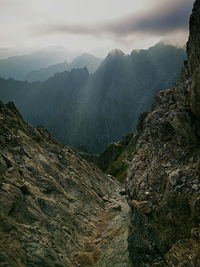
(164, 181)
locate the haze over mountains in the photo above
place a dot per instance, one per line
(85, 60)
(37, 65)
(94, 110)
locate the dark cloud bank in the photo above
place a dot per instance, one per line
(167, 18)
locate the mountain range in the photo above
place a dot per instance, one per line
(121, 89)
(42, 64)
(85, 60)
(96, 109)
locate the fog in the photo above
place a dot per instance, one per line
(93, 26)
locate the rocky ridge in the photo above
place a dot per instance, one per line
(163, 185)
(52, 201)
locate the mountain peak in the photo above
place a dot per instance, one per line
(116, 52)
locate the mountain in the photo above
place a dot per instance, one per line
(121, 89)
(85, 60)
(163, 184)
(95, 110)
(56, 209)
(51, 103)
(160, 165)
(45, 73)
(116, 158)
(17, 67)
(6, 52)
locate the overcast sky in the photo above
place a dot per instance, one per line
(95, 26)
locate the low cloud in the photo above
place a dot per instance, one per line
(161, 21)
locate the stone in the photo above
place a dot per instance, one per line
(50, 200)
(123, 193)
(116, 207)
(165, 231)
(195, 187)
(143, 206)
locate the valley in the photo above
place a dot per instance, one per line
(135, 200)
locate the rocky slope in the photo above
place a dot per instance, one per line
(55, 208)
(164, 182)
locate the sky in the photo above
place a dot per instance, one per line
(94, 26)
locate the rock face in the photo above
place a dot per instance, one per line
(115, 160)
(164, 181)
(51, 201)
(193, 49)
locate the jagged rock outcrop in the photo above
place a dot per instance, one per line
(164, 182)
(116, 158)
(193, 49)
(52, 201)
(112, 159)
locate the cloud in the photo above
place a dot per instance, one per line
(169, 17)
(8, 3)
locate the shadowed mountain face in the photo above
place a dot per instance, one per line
(122, 88)
(45, 73)
(51, 103)
(94, 110)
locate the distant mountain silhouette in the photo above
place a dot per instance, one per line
(45, 73)
(95, 110)
(17, 67)
(85, 60)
